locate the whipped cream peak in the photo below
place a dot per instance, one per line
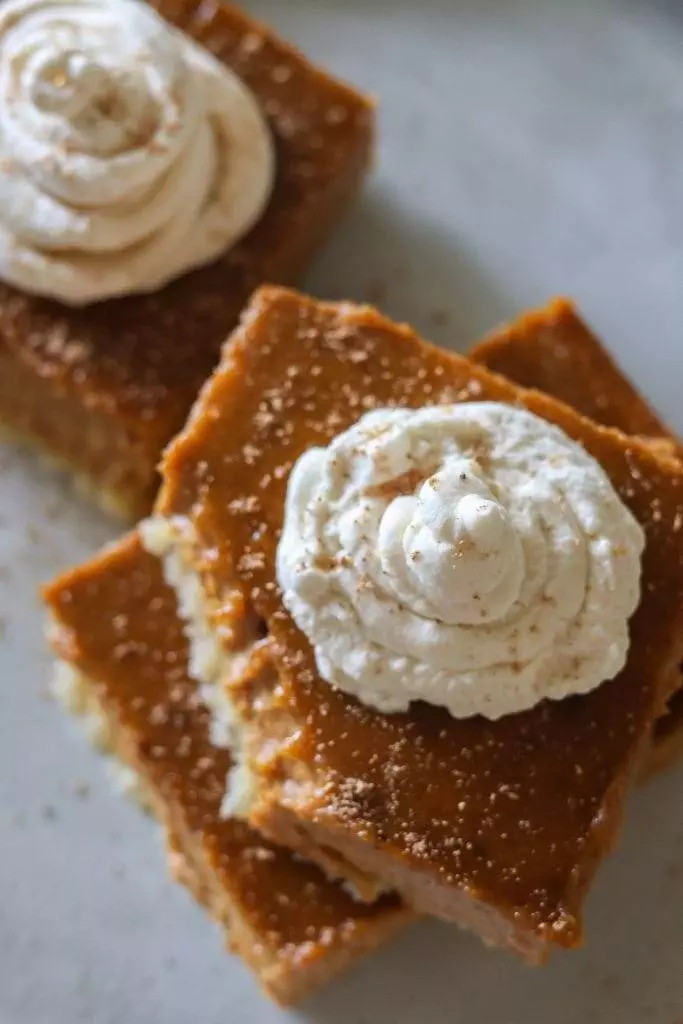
(128, 154)
(472, 556)
(453, 547)
(106, 107)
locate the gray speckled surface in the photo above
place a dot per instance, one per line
(528, 148)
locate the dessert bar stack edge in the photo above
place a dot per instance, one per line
(195, 680)
(393, 631)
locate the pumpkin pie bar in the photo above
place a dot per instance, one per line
(553, 350)
(123, 664)
(498, 825)
(101, 389)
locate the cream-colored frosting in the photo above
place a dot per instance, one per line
(128, 154)
(471, 556)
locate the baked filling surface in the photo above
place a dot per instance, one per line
(553, 350)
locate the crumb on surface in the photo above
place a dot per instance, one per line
(439, 318)
(376, 292)
(53, 510)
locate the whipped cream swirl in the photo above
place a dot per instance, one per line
(128, 154)
(471, 556)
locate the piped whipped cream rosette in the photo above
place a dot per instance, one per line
(471, 556)
(128, 154)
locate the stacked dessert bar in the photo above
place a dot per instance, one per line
(206, 687)
(123, 668)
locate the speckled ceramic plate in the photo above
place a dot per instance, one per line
(528, 147)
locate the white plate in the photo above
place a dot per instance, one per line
(528, 148)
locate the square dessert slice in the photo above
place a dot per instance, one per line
(498, 825)
(553, 350)
(101, 389)
(124, 663)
